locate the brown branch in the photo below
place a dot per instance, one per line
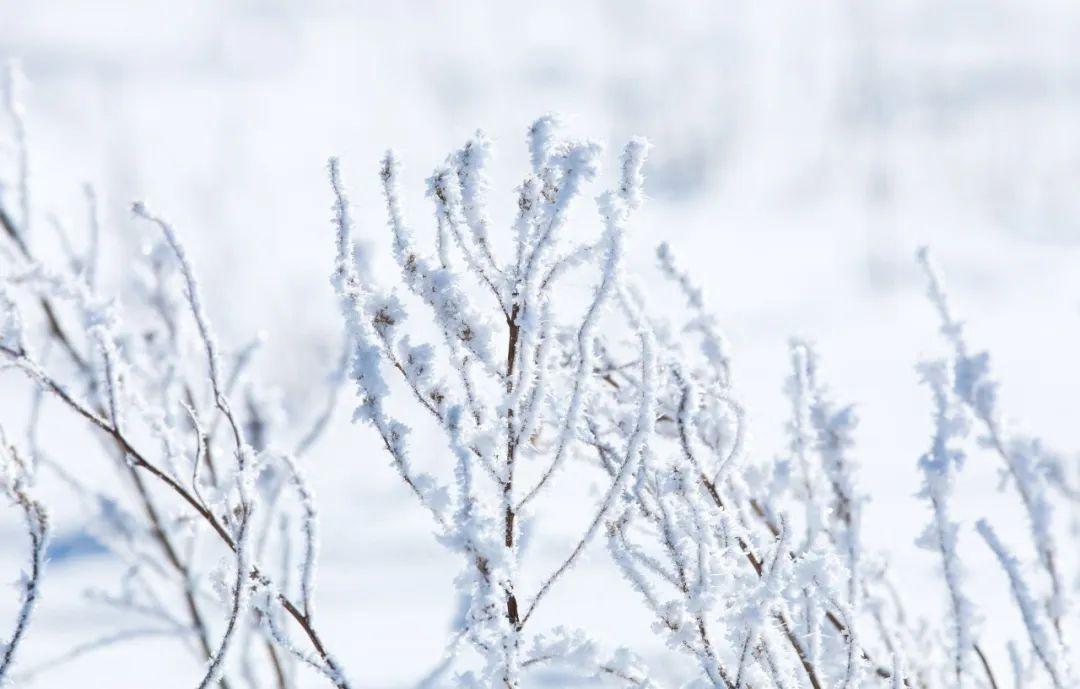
(513, 331)
(986, 666)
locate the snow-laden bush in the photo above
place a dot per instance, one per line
(757, 573)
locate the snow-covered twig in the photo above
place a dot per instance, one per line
(13, 483)
(1042, 639)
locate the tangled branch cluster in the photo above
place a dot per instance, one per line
(756, 573)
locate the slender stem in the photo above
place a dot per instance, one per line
(986, 666)
(513, 615)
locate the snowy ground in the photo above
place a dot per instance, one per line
(802, 153)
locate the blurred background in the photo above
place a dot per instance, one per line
(803, 151)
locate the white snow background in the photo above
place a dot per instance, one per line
(803, 151)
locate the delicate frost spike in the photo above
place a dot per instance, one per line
(835, 430)
(13, 82)
(541, 141)
(972, 380)
(347, 285)
(1043, 641)
(528, 220)
(694, 296)
(472, 163)
(343, 223)
(389, 170)
(939, 467)
(950, 327)
(309, 526)
(193, 295)
(450, 216)
(439, 288)
(443, 187)
(713, 345)
(579, 162)
(632, 182)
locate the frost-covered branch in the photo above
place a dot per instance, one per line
(940, 466)
(1028, 464)
(1042, 639)
(14, 479)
